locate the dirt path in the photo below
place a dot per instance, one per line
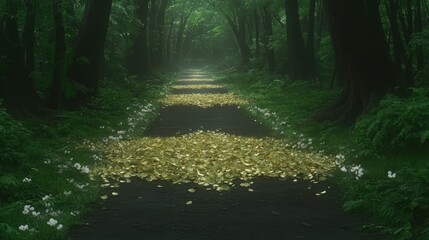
(273, 209)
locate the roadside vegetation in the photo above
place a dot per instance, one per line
(45, 173)
(385, 169)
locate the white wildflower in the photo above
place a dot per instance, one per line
(52, 222)
(26, 180)
(23, 227)
(391, 175)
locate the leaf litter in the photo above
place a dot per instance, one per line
(199, 86)
(203, 100)
(210, 159)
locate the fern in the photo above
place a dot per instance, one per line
(397, 124)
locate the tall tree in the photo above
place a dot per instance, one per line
(157, 18)
(418, 23)
(310, 39)
(139, 61)
(30, 40)
(235, 15)
(257, 32)
(365, 61)
(268, 34)
(19, 91)
(89, 49)
(187, 8)
(295, 41)
(59, 54)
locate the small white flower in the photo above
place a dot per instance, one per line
(23, 227)
(77, 166)
(67, 193)
(36, 214)
(52, 222)
(391, 175)
(45, 198)
(59, 227)
(344, 169)
(85, 169)
(27, 209)
(26, 180)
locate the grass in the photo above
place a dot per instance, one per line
(393, 203)
(45, 173)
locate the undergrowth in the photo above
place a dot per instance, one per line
(45, 163)
(386, 170)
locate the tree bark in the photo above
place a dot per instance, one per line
(366, 63)
(407, 29)
(397, 41)
(418, 24)
(310, 40)
(29, 42)
(59, 55)
(20, 97)
(139, 60)
(157, 33)
(257, 33)
(268, 30)
(89, 50)
(295, 42)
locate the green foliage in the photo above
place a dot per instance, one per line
(35, 152)
(401, 204)
(398, 124)
(14, 140)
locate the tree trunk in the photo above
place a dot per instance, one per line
(241, 39)
(397, 41)
(139, 61)
(157, 33)
(59, 55)
(295, 42)
(89, 50)
(310, 40)
(257, 33)
(418, 24)
(366, 64)
(407, 29)
(180, 31)
(268, 30)
(168, 41)
(20, 97)
(29, 42)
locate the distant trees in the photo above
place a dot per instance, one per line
(18, 87)
(63, 64)
(234, 12)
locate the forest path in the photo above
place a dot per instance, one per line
(251, 201)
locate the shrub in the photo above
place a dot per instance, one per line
(14, 139)
(398, 123)
(400, 204)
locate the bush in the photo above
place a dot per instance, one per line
(400, 204)
(14, 139)
(397, 124)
